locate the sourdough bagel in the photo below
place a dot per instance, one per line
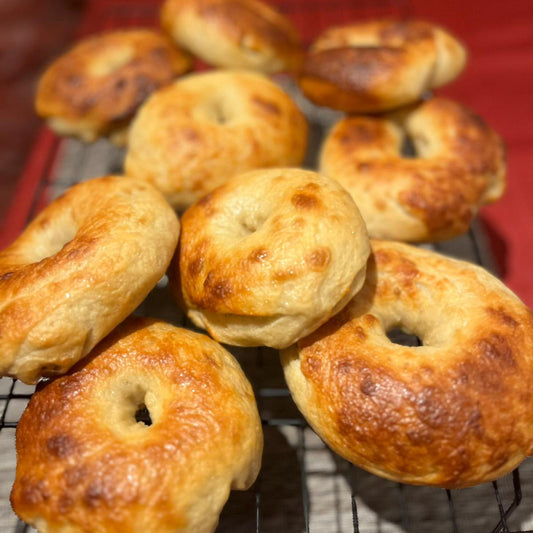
(80, 267)
(269, 256)
(460, 165)
(247, 34)
(192, 136)
(87, 461)
(454, 412)
(379, 65)
(95, 88)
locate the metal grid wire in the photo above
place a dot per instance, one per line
(303, 486)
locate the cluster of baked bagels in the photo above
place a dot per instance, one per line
(139, 425)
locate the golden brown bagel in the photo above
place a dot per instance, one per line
(269, 256)
(247, 34)
(192, 136)
(84, 462)
(454, 412)
(80, 267)
(95, 88)
(460, 165)
(379, 65)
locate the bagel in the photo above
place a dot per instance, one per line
(460, 165)
(269, 256)
(453, 412)
(246, 34)
(95, 88)
(80, 267)
(379, 65)
(192, 136)
(147, 436)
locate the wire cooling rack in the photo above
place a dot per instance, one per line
(303, 486)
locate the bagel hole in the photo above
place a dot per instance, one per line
(408, 148)
(250, 223)
(403, 338)
(142, 415)
(135, 406)
(53, 240)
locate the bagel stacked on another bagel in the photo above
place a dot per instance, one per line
(453, 412)
(460, 165)
(269, 256)
(247, 34)
(95, 88)
(88, 460)
(79, 269)
(379, 65)
(193, 135)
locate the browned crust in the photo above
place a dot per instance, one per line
(378, 65)
(84, 463)
(60, 279)
(71, 89)
(443, 190)
(249, 25)
(452, 413)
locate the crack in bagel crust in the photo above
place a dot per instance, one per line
(84, 459)
(454, 412)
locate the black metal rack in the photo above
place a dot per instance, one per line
(303, 486)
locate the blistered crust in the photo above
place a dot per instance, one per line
(234, 33)
(80, 267)
(192, 136)
(95, 88)
(453, 412)
(459, 166)
(270, 255)
(379, 65)
(85, 464)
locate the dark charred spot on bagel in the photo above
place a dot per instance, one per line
(305, 201)
(6, 275)
(74, 475)
(74, 80)
(96, 494)
(354, 69)
(266, 105)
(64, 503)
(319, 258)
(159, 52)
(219, 289)
(496, 348)
(360, 131)
(196, 266)
(190, 135)
(258, 255)
(34, 492)
(87, 102)
(502, 317)
(120, 83)
(367, 386)
(61, 445)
